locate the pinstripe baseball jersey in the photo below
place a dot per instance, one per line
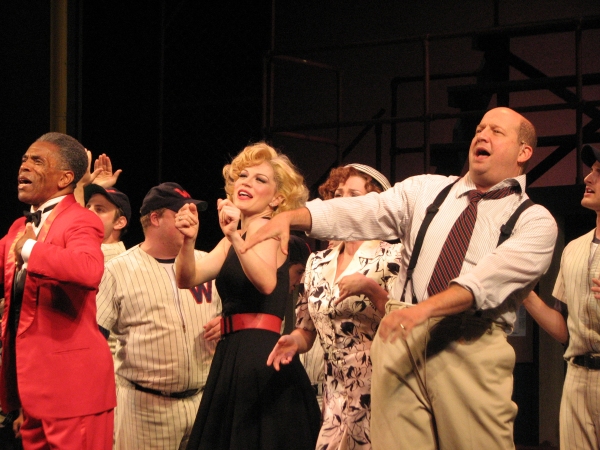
(580, 263)
(159, 327)
(111, 250)
(580, 403)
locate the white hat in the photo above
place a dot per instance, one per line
(375, 174)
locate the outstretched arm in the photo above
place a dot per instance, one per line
(88, 178)
(549, 319)
(259, 263)
(279, 228)
(188, 271)
(299, 341)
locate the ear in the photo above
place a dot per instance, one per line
(276, 201)
(66, 179)
(120, 223)
(154, 218)
(525, 153)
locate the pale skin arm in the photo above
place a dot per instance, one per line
(88, 178)
(299, 341)
(358, 284)
(189, 272)
(399, 323)
(549, 319)
(259, 263)
(279, 228)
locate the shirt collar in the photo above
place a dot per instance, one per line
(465, 184)
(52, 201)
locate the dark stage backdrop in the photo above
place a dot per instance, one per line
(169, 90)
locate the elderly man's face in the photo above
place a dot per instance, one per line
(496, 151)
(40, 177)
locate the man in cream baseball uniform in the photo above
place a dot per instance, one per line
(114, 210)
(575, 320)
(166, 335)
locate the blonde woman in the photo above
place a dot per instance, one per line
(247, 404)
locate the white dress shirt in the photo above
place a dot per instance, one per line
(498, 277)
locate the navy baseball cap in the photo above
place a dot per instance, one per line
(589, 155)
(116, 197)
(168, 195)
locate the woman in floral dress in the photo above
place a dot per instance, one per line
(345, 294)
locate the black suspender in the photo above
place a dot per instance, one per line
(505, 232)
(507, 228)
(432, 210)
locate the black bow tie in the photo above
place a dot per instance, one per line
(36, 217)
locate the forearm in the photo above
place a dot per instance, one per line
(549, 319)
(261, 273)
(300, 219)
(79, 193)
(304, 339)
(377, 295)
(453, 300)
(185, 265)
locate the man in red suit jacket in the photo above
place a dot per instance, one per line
(56, 365)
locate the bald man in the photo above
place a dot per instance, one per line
(442, 367)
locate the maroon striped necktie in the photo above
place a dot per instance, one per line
(454, 250)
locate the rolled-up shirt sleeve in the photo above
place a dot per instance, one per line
(513, 268)
(381, 216)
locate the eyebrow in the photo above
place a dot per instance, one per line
(257, 174)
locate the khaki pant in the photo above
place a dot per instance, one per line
(447, 387)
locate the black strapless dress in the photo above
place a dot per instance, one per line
(246, 404)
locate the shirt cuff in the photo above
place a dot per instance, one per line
(27, 248)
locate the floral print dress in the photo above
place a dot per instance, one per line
(346, 331)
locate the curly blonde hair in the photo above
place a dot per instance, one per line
(290, 184)
(340, 175)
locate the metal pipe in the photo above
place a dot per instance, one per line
(161, 91)
(426, 108)
(579, 111)
(58, 65)
(530, 29)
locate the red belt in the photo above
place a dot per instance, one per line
(237, 322)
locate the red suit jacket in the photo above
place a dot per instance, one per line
(63, 364)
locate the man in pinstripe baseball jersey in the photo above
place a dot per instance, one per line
(113, 208)
(575, 321)
(166, 335)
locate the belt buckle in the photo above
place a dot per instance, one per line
(226, 325)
